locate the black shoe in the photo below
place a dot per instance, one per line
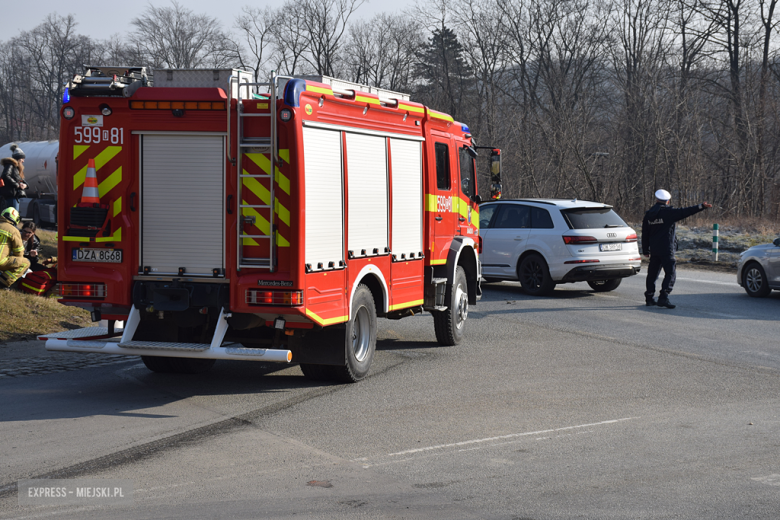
(650, 302)
(664, 302)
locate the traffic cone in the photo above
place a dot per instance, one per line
(90, 195)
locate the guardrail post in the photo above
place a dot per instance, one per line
(715, 234)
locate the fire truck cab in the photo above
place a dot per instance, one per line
(221, 218)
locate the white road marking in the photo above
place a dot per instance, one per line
(497, 438)
(730, 284)
(772, 480)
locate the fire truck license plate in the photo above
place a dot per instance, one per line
(113, 256)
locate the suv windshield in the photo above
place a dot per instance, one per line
(592, 218)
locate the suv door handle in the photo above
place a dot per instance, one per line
(519, 238)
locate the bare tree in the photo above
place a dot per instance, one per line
(325, 23)
(175, 37)
(382, 51)
(254, 25)
(290, 40)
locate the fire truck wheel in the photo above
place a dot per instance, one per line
(450, 324)
(161, 365)
(192, 366)
(359, 338)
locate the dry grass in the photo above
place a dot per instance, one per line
(25, 316)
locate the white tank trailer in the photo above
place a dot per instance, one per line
(40, 174)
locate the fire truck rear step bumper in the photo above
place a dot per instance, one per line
(95, 340)
(169, 350)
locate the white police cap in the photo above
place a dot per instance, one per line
(663, 195)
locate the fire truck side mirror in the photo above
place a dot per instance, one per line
(476, 198)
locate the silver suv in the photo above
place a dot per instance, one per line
(544, 242)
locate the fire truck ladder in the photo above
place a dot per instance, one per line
(257, 144)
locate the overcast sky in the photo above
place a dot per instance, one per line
(103, 18)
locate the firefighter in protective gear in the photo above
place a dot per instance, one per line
(659, 241)
(13, 264)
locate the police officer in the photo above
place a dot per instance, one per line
(659, 242)
(13, 264)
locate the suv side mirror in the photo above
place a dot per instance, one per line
(777, 242)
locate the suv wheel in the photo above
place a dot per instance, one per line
(534, 276)
(605, 285)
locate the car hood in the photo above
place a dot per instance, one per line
(759, 249)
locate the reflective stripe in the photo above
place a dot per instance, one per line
(110, 182)
(440, 115)
(328, 321)
(102, 158)
(264, 226)
(319, 90)
(117, 206)
(33, 288)
(363, 99)
(265, 164)
(116, 237)
(406, 305)
(419, 110)
(79, 149)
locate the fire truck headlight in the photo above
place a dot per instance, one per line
(68, 112)
(285, 114)
(105, 109)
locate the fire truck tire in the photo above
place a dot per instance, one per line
(450, 324)
(191, 366)
(161, 365)
(359, 338)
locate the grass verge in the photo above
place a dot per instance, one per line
(25, 316)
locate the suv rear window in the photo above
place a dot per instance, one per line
(592, 218)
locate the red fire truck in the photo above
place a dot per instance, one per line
(220, 218)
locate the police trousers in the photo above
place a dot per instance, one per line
(669, 265)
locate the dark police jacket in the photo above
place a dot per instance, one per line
(658, 228)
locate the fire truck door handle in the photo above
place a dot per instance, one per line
(462, 219)
(230, 205)
(132, 201)
(438, 218)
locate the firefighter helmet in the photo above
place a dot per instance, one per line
(11, 215)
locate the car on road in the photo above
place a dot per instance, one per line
(544, 242)
(758, 270)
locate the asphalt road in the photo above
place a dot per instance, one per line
(577, 405)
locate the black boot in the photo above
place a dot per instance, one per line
(663, 301)
(650, 301)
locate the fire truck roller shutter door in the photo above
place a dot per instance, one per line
(367, 171)
(406, 157)
(186, 230)
(323, 176)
